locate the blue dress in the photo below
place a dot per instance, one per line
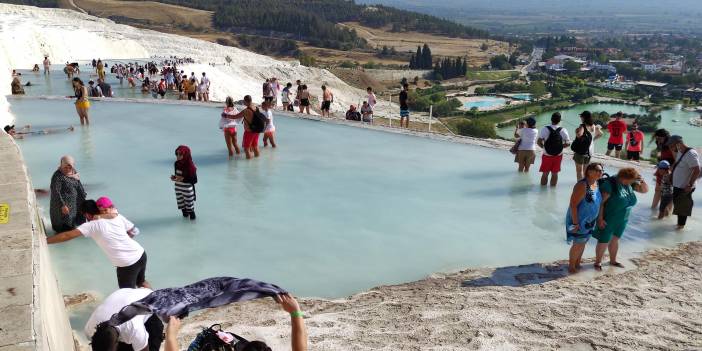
(588, 209)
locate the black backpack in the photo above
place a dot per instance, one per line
(258, 122)
(581, 145)
(554, 142)
(608, 178)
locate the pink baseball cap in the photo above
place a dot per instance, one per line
(104, 202)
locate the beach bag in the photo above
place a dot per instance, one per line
(211, 339)
(554, 142)
(258, 122)
(581, 145)
(515, 148)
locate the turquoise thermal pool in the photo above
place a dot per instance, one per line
(333, 211)
(485, 102)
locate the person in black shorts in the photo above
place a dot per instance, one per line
(404, 108)
(327, 98)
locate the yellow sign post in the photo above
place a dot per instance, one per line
(4, 213)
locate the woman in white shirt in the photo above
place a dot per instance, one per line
(526, 152)
(229, 125)
(269, 132)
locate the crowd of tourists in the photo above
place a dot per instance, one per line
(133, 316)
(600, 204)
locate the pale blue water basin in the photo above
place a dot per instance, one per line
(485, 102)
(526, 97)
(333, 211)
(58, 84)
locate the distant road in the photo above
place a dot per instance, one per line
(536, 56)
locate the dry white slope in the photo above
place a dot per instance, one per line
(28, 33)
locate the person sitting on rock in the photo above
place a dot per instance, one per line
(352, 114)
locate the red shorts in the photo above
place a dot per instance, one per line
(230, 130)
(250, 139)
(550, 164)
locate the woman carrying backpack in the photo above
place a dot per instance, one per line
(583, 145)
(618, 198)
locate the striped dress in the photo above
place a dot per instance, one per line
(185, 191)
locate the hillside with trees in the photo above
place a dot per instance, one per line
(315, 21)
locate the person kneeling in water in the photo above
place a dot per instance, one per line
(215, 340)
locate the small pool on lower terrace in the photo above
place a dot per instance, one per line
(333, 211)
(484, 102)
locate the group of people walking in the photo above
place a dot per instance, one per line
(600, 204)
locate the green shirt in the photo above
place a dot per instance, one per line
(621, 200)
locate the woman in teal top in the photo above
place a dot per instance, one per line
(618, 199)
(581, 217)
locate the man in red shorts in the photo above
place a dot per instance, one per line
(553, 139)
(250, 142)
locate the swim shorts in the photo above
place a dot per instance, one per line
(614, 146)
(633, 155)
(304, 102)
(230, 130)
(404, 113)
(551, 164)
(326, 105)
(250, 139)
(132, 276)
(268, 98)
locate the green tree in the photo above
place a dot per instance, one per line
(537, 89)
(476, 128)
(572, 66)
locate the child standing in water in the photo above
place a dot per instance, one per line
(185, 178)
(269, 132)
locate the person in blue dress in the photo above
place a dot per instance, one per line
(581, 217)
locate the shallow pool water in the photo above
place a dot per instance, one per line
(526, 97)
(571, 120)
(333, 211)
(485, 102)
(57, 84)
